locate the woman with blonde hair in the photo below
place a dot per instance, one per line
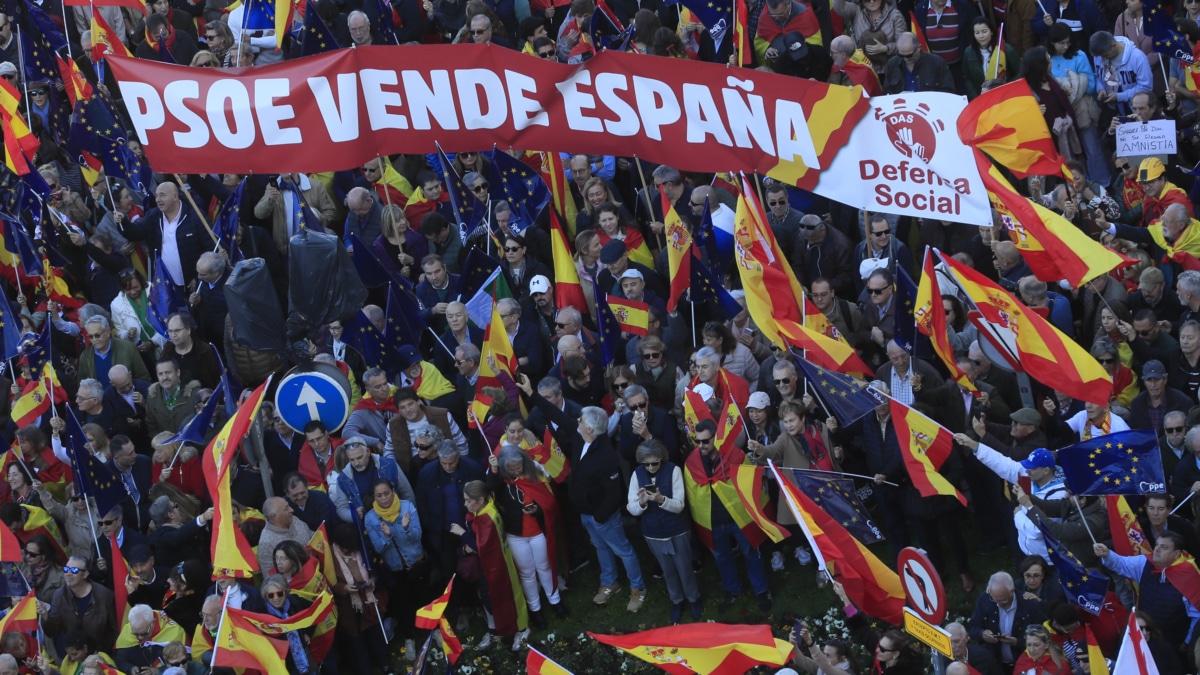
(596, 192)
(399, 243)
(1041, 656)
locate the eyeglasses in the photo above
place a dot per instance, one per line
(778, 202)
(649, 464)
(72, 570)
(877, 291)
(459, 362)
(276, 594)
(1174, 430)
(652, 355)
(704, 441)
(95, 336)
(512, 249)
(694, 205)
(948, 310)
(639, 406)
(141, 633)
(126, 273)
(807, 227)
(108, 522)
(884, 650)
(881, 233)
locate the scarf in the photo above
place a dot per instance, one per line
(295, 643)
(1188, 241)
(170, 39)
(352, 570)
(389, 514)
(1105, 426)
(388, 406)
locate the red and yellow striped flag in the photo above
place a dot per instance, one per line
(232, 555)
(120, 572)
(496, 345)
(477, 413)
(319, 545)
(429, 615)
(930, 314)
(555, 175)
(1128, 537)
(23, 616)
(451, 646)
(104, 41)
(721, 649)
(240, 645)
(632, 316)
(11, 549)
(537, 663)
(1098, 665)
(20, 145)
(925, 445)
(824, 351)
(679, 249)
(269, 624)
(742, 42)
(748, 479)
(77, 87)
(568, 291)
(1041, 348)
(37, 398)
(1007, 124)
(871, 585)
(998, 64)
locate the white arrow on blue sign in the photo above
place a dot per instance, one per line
(304, 397)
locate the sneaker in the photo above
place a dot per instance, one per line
(822, 579)
(561, 610)
(764, 601)
(520, 639)
(777, 561)
(605, 592)
(803, 555)
(410, 650)
(676, 613)
(726, 602)
(485, 642)
(697, 609)
(636, 599)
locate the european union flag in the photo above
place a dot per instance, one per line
(706, 285)
(522, 186)
(41, 65)
(403, 316)
(717, 16)
(837, 496)
(1160, 26)
(35, 347)
(846, 400)
(361, 334)
(1124, 463)
(317, 37)
(10, 326)
(477, 270)
(226, 222)
(468, 210)
(96, 129)
(19, 243)
(606, 30)
(194, 430)
(230, 399)
(46, 27)
(373, 270)
(705, 235)
(607, 329)
(164, 300)
(93, 478)
(905, 333)
(1084, 588)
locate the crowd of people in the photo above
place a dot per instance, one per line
(585, 449)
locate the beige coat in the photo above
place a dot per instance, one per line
(315, 196)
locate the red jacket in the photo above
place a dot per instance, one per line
(187, 476)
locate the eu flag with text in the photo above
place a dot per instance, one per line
(1159, 24)
(1124, 463)
(716, 16)
(845, 398)
(468, 211)
(1085, 589)
(837, 496)
(93, 478)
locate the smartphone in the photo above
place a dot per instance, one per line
(1126, 119)
(798, 626)
(651, 488)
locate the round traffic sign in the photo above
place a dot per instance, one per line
(922, 584)
(320, 393)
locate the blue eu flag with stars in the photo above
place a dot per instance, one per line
(93, 478)
(835, 494)
(1124, 463)
(1158, 23)
(846, 400)
(1084, 588)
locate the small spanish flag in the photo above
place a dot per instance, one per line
(631, 315)
(319, 545)
(1128, 537)
(429, 615)
(925, 445)
(537, 663)
(37, 398)
(23, 616)
(479, 410)
(104, 40)
(20, 145)
(1099, 666)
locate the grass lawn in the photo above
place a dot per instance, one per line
(794, 589)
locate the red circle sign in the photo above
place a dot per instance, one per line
(922, 585)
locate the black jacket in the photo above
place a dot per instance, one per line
(832, 259)
(137, 516)
(595, 484)
(931, 72)
(191, 237)
(987, 618)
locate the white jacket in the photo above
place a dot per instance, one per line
(1028, 535)
(124, 317)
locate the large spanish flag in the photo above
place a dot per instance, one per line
(20, 145)
(1007, 124)
(764, 274)
(1054, 248)
(240, 645)
(824, 351)
(873, 586)
(1128, 537)
(269, 624)
(632, 316)
(231, 552)
(748, 479)
(679, 248)
(701, 489)
(429, 615)
(930, 314)
(925, 445)
(568, 291)
(716, 648)
(1044, 352)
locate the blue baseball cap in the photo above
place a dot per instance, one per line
(1039, 459)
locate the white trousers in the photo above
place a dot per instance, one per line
(533, 565)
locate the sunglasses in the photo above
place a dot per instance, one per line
(106, 523)
(648, 464)
(76, 498)
(72, 570)
(479, 31)
(38, 92)
(881, 233)
(910, 55)
(126, 274)
(547, 55)
(641, 406)
(31, 554)
(512, 249)
(620, 385)
(779, 202)
(877, 291)
(1123, 167)
(786, 380)
(559, 324)
(9, 77)
(704, 441)
(177, 664)
(276, 594)
(427, 446)
(480, 188)
(1106, 361)
(1174, 430)
(1145, 333)
(807, 227)
(652, 355)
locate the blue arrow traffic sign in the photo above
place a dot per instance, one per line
(313, 395)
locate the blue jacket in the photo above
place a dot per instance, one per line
(345, 493)
(1089, 15)
(429, 496)
(403, 547)
(428, 297)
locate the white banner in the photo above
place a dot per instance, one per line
(1141, 139)
(905, 157)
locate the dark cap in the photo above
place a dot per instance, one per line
(409, 356)
(139, 554)
(612, 251)
(1154, 369)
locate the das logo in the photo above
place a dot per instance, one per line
(910, 131)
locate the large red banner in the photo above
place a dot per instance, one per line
(339, 109)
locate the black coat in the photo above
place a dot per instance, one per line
(595, 484)
(130, 539)
(211, 311)
(191, 237)
(986, 617)
(137, 516)
(931, 72)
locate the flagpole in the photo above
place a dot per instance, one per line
(787, 495)
(439, 339)
(21, 59)
(382, 628)
(92, 524)
(658, 237)
(1083, 518)
(843, 473)
(199, 213)
(220, 623)
(1180, 504)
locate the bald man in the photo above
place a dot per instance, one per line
(173, 228)
(846, 72)
(363, 217)
(913, 69)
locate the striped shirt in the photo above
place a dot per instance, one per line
(941, 31)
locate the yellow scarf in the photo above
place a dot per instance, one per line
(1105, 426)
(431, 384)
(391, 513)
(1188, 242)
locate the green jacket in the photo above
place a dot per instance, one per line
(123, 352)
(973, 68)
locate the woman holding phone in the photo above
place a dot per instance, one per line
(656, 496)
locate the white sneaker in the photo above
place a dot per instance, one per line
(777, 561)
(485, 642)
(410, 650)
(520, 639)
(803, 556)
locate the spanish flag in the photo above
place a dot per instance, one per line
(1054, 248)
(694, 410)
(1007, 124)
(20, 145)
(701, 489)
(742, 43)
(37, 397)
(917, 30)
(679, 248)
(429, 615)
(550, 455)
(23, 616)
(392, 188)
(537, 663)
(824, 351)
(930, 314)
(497, 346)
(162, 631)
(568, 291)
(632, 316)
(730, 426)
(240, 645)
(431, 384)
(104, 41)
(998, 63)
(871, 585)
(231, 552)
(748, 479)
(1128, 537)
(120, 572)
(11, 549)
(319, 545)
(478, 412)
(718, 648)
(1043, 351)
(555, 175)
(77, 87)
(925, 445)
(269, 624)
(1099, 666)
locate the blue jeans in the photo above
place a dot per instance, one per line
(611, 543)
(725, 537)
